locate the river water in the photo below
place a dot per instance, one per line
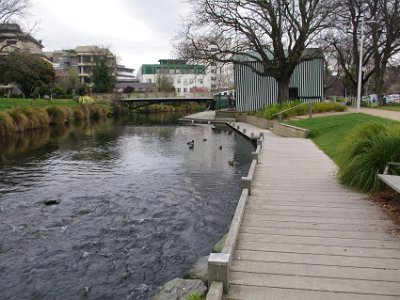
(136, 208)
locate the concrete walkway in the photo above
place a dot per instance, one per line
(387, 114)
(304, 236)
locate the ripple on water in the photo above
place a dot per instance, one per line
(137, 208)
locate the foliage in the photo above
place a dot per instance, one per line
(103, 79)
(269, 112)
(68, 85)
(272, 33)
(31, 118)
(194, 296)
(329, 132)
(360, 152)
(58, 114)
(128, 89)
(9, 103)
(365, 153)
(86, 100)
(29, 72)
(164, 84)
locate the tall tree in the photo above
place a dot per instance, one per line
(102, 78)
(10, 10)
(274, 33)
(381, 42)
(27, 71)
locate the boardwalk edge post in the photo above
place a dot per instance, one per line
(245, 183)
(218, 269)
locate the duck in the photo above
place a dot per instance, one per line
(191, 142)
(191, 147)
(231, 162)
(220, 147)
(204, 140)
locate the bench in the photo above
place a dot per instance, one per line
(391, 180)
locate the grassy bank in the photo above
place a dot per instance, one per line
(391, 107)
(361, 145)
(10, 103)
(329, 132)
(27, 118)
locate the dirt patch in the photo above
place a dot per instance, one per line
(389, 201)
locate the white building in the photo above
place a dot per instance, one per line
(184, 77)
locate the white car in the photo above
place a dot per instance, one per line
(394, 98)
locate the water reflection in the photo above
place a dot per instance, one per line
(137, 207)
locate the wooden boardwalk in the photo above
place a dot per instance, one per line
(304, 236)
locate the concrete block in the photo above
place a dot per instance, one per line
(244, 130)
(252, 135)
(218, 269)
(216, 291)
(238, 127)
(245, 183)
(254, 155)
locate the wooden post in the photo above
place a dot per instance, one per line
(245, 183)
(310, 109)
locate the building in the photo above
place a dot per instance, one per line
(125, 74)
(82, 59)
(186, 78)
(254, 92)
(12, 38)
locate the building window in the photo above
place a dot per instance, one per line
(184, 90)
(178, 80)
(149, 80)
(178, 90)
(201, 81)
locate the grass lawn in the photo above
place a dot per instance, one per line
(390, 107)
(9, 103)
(329, 132)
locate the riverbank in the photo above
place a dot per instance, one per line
(23, 119)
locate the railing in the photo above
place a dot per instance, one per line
(219, 263)
(160, 95)
(279, 114)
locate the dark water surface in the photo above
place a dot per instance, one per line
(137, 206)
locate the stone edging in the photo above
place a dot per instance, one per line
(286, 130)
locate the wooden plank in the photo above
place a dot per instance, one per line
(260, 222)
(245, 292)
(327, 241)
(296, 269)
(343, 285)
(319, 250)
(324, 259)
(304, 236)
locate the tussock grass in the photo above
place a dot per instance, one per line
(7, 125)
(21, 121)
(58, 115)
(31, 118)
(365, 153)
(360, 144)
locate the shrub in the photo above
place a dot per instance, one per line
(7, 126)
(38, 117)
(366, 152)
(20, 120)
(86, 100)
(58, 115)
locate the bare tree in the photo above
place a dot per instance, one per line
(382, 39)
(11, 10)
(274, 33)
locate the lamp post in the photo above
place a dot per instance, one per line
(360, 66)
(359, 83)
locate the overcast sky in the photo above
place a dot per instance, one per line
(137, 31)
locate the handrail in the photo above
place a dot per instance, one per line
(279, 114)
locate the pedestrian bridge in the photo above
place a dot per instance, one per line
(135, 101)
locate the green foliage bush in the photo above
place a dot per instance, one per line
(86, 100)
(365, 153)
(58, 115)
(268, 112)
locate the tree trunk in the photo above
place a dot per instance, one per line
(283, 90)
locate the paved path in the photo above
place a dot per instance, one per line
(388, 114)
(304, 236)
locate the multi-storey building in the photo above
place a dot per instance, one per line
(186, 78)
(82, 59)
(12, 38)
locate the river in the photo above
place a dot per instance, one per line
(136, 206)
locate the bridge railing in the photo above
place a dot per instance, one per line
(133, 96)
